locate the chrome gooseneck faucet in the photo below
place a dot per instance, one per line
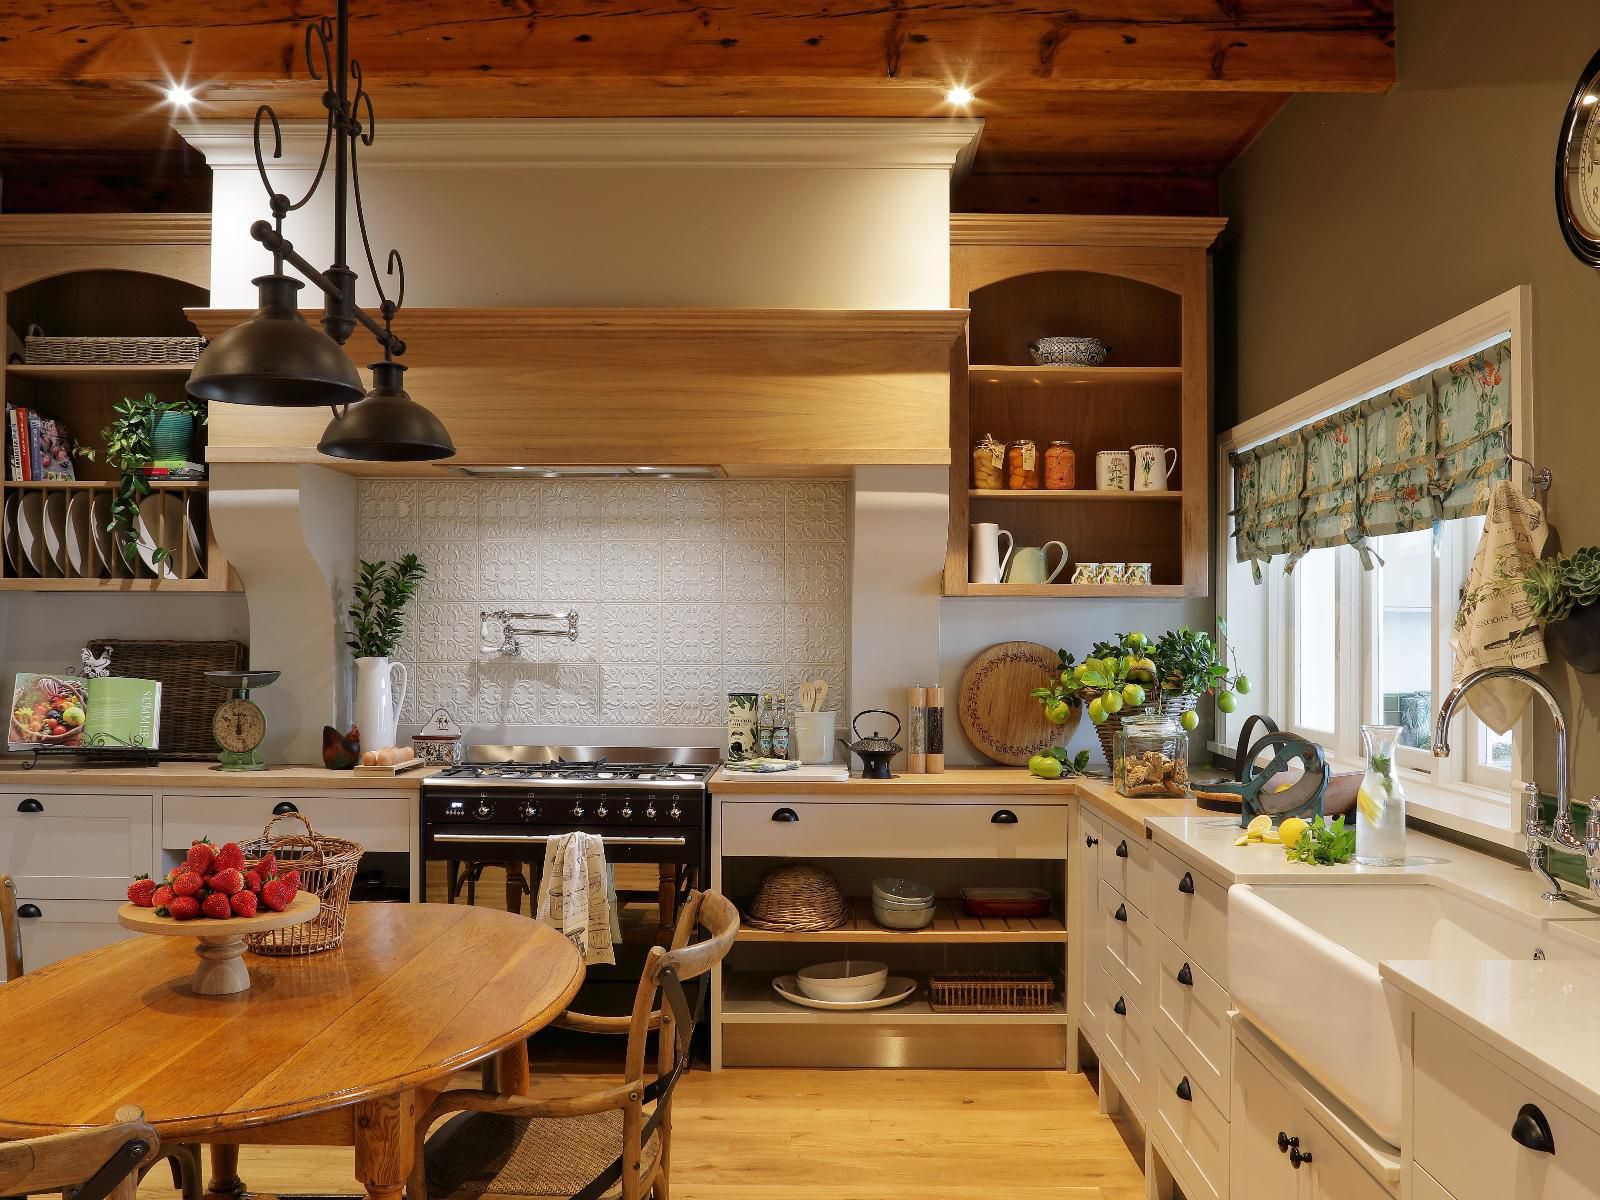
(1560, 836)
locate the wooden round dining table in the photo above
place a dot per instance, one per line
(344, 1048)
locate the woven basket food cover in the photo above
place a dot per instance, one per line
(798, 898)
(327, 866)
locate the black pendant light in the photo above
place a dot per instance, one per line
(388, 425)
(277, 360)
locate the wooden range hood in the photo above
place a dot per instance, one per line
(754, 391)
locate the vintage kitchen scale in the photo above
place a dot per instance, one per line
(239, 725)
(1255, 791)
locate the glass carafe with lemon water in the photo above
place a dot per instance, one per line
(1381, 801)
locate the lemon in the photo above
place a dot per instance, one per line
(1132, 694)
(1259, 827)
(1291, 830)
(1047, 766)
(1190, 720)
(1242, 840)
(1111, 702)
(1097, 712)
(1058, 712)
(1271, 835)
(1368, 806)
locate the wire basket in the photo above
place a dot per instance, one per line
(327, 866)
(991, 991)
(798, 898)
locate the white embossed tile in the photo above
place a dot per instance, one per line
(814, 510)
(752, 571)
(509, 509)
(522, 701)
(489, 687)
(447, 632)
(583, 649)
(752, 633)
(569, 569)
(817, 573)
(629, 510)
(452, 566)
(385, 509)
(691, 571)
(508, 571)
(447, 686)
(753, 511)
(691, 510)
(692, 696)
(691, 633)
(630, 571)
(629, 693)
(815, 633)
(753, 677)
(447, 509)
(571, 510)
(571, 695)
(630, 632)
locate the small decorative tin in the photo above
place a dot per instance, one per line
(439, 741)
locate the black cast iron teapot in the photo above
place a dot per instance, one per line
(876, 753)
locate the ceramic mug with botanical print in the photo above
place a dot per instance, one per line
(1113, 573)
(1112, 469)
(1138, 573)
(1086, 572)
(1152, 465)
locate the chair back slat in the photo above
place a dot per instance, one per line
(94, 1163)
(10, 932)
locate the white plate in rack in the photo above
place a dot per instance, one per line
(109, 552)
(55, 530)
(898, 988)
(30, 530)
(82, 561)
(14, 562)
(160, 523)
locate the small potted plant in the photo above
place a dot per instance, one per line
(381, 593)
(142, 431)
(1564, 593)
(1190, 667)
(1117, 679)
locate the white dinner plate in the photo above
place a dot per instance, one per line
(30, 530)
(13, 544)
(194, 520)
(82, 561)
(55, 530)
(160, 524)
(104, 544)
(898, 988)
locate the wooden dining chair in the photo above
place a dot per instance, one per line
(184, 1159)
(613, 1142)
(89, 1164)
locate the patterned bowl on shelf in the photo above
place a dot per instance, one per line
(1068, 351)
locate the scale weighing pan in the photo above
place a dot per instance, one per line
(241, 679)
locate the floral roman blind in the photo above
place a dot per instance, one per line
(1425, 451)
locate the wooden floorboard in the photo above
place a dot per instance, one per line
(843, 1135)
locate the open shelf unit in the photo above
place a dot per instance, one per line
(950, 924)
(1146, 296)
(748, 999)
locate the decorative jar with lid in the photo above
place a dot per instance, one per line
(1151, 756)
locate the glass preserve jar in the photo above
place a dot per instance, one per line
(1022, 465)
(1151, 756)
(1381, 801)
(989, 464)
(1060, 467)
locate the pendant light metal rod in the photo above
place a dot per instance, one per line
(284, 249)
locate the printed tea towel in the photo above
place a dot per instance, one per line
(577, 895)
(1494, 626)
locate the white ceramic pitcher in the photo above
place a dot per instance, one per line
(1151, 467)
(377, 705)
(985, 562)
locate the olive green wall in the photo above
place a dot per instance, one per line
(1356, 222)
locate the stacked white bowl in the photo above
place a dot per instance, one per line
(902, 903)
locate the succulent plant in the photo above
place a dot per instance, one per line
(1557, 586)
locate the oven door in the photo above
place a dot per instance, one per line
(526, 843)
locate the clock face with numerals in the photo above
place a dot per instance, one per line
(239, 726)
(1578, 168)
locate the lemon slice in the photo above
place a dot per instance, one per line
(1368, 806)
(1259, 827)
(1271, 835)
(1242, 840)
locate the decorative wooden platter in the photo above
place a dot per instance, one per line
(1002, 720)
(391, 770)
(221, 970)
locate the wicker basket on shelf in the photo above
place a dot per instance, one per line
(188, 702)
(40, 350)
(327, 866)
(991, 991)
(798, 898)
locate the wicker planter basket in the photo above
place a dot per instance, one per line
(1106, 731)
(991, 991)
(109, 351)
(327, 866)
(798, 898)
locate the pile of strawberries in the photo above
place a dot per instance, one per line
(212, 881)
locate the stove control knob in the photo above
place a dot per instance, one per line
(484, 811)
(650, 811)
(530, 811)
(577, 810)
(600, 810)
(675, 812)
(627, 811)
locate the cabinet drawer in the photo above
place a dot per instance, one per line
(1086, 906)
(66, 927)
(1425, 1186)
(1125, 864)
(1190, 1125)
(1126, 952)
(781, 827)
(1126, 1038)
(1190, 1011)
(377, 822)
(65, 846)
(1192, 910)
(1464, 1109)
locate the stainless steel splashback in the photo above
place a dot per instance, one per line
(686, 756)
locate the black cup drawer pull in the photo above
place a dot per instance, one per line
(1186, 884)
(1185, 1092)
(1185, 976)
(1285, 1141)
(29, 912)
(786, 815)
(1530, 1129)
(1122, 849)
(1090, 841)
(1120, 1007)
(1121, 914)
(282, 807)
(30, 805)
(1004, 817)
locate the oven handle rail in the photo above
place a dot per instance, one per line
(540, 839)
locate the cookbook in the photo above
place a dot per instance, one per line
(70, 713)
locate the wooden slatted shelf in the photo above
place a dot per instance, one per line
(982, 375)
(98, 372)
(950, 924)
(1075, 494)
(748, 998)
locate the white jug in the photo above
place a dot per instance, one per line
(985, 563)
(377, 705)
(1152, 465)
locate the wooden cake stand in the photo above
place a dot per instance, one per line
(221, 970)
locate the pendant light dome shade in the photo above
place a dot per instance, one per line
(387, 426)
(275, 359)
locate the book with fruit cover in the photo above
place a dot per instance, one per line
(66, 712)
(52, 449)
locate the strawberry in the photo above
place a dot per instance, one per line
(173, 874)
(292, 878)
(275, 894)
(244, 904)
(230, 856)
(227, 881)
(252, 881)
(141, 891)
(268, 866)
(216, 906)
(162, 896)
(200, 857)
(183, 908)
(187, 883)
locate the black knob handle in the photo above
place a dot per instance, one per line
(1121, 914)
(1285, 1141)
(1186, 884)
(785, 814)
(283, 806)
(29, 911)
(1004, 817)
(1185, 976)
(30, 805)
(1120, 1007)
(1090, 840)
(1298, 1156)
(1122, 849)
(1530, 1129)
(1185, 1092)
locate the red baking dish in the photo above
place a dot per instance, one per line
(1005, 902)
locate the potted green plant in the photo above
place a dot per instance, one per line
(1564, 593)
(382, 591)
(131, 446)
(1116, 679)
(1189, 667)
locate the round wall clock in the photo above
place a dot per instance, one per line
(1578, 167)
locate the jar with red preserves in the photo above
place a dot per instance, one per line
(1060, 467)
(1022, 465)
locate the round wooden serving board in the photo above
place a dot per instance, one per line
(1002, 720)
(221, 970)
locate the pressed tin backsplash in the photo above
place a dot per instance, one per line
(685, 590)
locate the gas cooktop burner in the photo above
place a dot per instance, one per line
(534, 769)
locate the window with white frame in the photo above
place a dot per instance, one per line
(1333, 642)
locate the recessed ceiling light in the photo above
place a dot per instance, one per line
(179, 95)
(959, 96)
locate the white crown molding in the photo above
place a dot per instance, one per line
(821, 143)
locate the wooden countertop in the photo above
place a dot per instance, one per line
(200, 775)
(957, 781)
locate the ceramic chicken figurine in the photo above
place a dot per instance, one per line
(340, 752)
